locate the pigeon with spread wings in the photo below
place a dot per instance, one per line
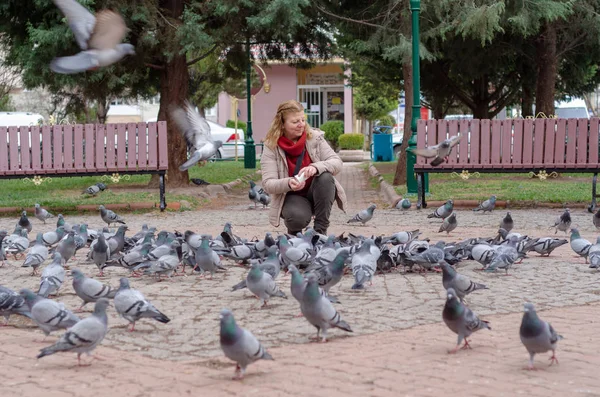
(99, 38)
(196, 132)
(439, 152)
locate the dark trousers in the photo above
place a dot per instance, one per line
(297, 210)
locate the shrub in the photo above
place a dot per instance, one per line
(333, 130)
(241, 125)
(352, 141)
(387, 120)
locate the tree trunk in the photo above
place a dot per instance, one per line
(527, 99)
(407, 75)
(102, 110)
(482, 110)
(546, 70)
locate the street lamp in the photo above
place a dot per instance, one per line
(249, 148)
(411, 181)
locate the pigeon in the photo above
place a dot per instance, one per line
(36, 255)
(545, 245)
(537, 335)
(440, 152)
(92, 190)
(166, 264)
(461, 284)
(403, 204)
(24, 222)
(66, 248)
(579, 245)
(563, 222)
(19, 244)
(262, 285)
(428, 258)
(100, 253)
(594, 254)
(298, 286)
(12, 303)
(109, 216)
(363, 216)
(487, 206)
(449, 224)
(84, 336)
(207, 260)
(239, 344)
(506, 255)
(331, 274)
(132, 306)
(443, 211)
(47, 314)
(99, 38)
(364, 263)
(199, 181)
(3, 234)
(196, 132)
(90, 290)
(257, 195)
(42, 214)
(596, 219)
(319, 311)
(270, 265)
(53, 276)
(461, 320)
(507, 222)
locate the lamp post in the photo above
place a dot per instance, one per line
(411, 181)
(249, 148)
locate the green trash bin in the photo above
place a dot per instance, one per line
(383, 149)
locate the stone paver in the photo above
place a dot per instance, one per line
(390, 316)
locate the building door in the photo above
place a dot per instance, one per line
(334, 104)
(311, 98)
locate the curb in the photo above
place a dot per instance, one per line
(94, 207)
(388, 191)
(245, 179)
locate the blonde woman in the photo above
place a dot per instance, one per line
(293, 149)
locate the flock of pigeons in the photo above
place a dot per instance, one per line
(316, 263)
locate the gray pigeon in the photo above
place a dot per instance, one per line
(255, 193)
(461, 320)
(53, 276)
(507, 222)
(132, 305)
(364, 263)
(449, 224)
(298, 286)
(92, 190)
(429, 258)
(487, 206)
(53, 237)
(270, 265)
(47, 314)
(506, 255)
(461, 284)
(443, 211)
(3, 234)
(563, 222)
(363, 216)
(196, 132)
(440, 152)
(262, 285)
(98, 36)
(100, 253)
(36, 255)
(403, 204)
(537, 335)
(12, 303)
(90, 290)
(545, 245)
(594, 254)
(239, 344)
(84, 336)
(207, 260)
(166, 264)
(579, 245)
(19, 244)
(66, 248)
(596, 219)
(319, 311)
(109, 216)
(24, 222)
(42, 214)
(331, 274)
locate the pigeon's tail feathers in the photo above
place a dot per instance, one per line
(437, 161)
(360, 277)
(161, 317)
(476, 286)
(267, 356)
(52, 349)
(485, 324)
(343, 325)
(280, 294)
(45, 289)
(240, 285)
(194, 158)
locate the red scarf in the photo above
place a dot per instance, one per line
(292, 151)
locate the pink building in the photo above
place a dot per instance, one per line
(323, 90)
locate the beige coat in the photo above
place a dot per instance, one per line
(275, 172)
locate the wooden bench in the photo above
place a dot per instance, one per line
(513, 145)
(84, 150)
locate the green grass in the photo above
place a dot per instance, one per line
(567, 188)
(64, 194)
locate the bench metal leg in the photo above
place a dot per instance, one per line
(592, 206)
(161, 184)
(420, 191)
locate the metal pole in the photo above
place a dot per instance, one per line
(249, 148)
(411, 181)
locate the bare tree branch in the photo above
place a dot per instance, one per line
(201, 57)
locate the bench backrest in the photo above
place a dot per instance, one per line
(80, 148)
(514, 143)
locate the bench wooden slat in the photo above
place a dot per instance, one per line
(506, 144)
(131, 159)
(100, 147)
(152, 145)
(421, 126)
(570, 161)
(442, 130)
(68, 157)
(142, 147)
(539, 140)
(463, 145)
(25, 163)
(47, 149)
(163, 151)
(78, 147)
(432, 135)
(13, 150)
(452, 131)
(121, 146)
(36, 152)
(485, 143)
(582, 143)
(559, 143)
(3, 150)
(90, 147)
(594, 140)
(550, 139)
(133, 151)
(496, 146)
(111, 148)
(57, 149)
(475, 143)
(517, 153)
(528, 143)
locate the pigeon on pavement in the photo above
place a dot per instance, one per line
(42, 214)
(48, 314)
(461, 284)
(36, 255)
(364, 263)
(239, 344)
(443, 211)
(84, 336)
(24, 222)
(507, 222)
(132, 305)
(545, 245)
(596, 219)
(461, 320)
(12, 303)
(440, 152)
(53, 276)
(487, 206)
(99, 38)
(90, 290)
(363, 216)
(100, 253)
(403, 204)
(109, 216)
(579, 245)
(449, 224)
(563, 222)
(537, 335)
(262, 285)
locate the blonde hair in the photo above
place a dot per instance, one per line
(276, 129)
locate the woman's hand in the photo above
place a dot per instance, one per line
(295, 185)
(308, 171)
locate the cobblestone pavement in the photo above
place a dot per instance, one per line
(389, 316)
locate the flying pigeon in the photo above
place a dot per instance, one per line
(439, 152)
(98, 36)
(196, 132)
(42, 214)
(487, 206)
(461, 320)
(132, 305)
(239, 344)
(364, 216)
(537, 335)
(84, 336)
